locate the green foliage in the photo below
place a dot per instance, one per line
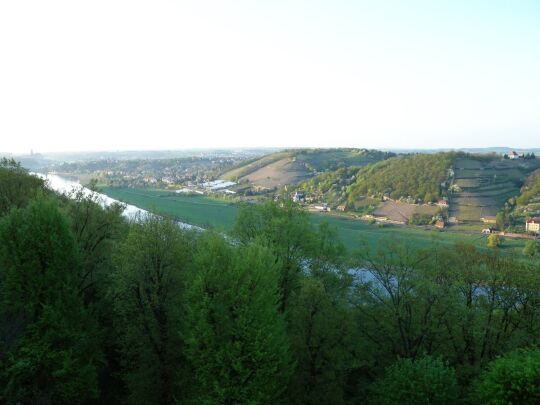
(285, 231)
(148, 289)
(320, 328)
(531, 190)
(97, 309)
(96, 229)
(418, 176)
(531, 248)
(494, 241)
(511, 379)
(331, 186)
(422, 381)
(460, 303)
(16, 186)
(51, 352)
(235, 336)
(420, 219)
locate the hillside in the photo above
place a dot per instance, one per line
(527, 204)
(417, 176)
(477, 186)
(482, 186)
(294, 166)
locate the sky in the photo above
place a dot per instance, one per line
(117, 75)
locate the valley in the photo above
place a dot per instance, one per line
(362, 191)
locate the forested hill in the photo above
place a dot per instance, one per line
(530, 192)
(296, 165)
(98, 309)
(418, 176)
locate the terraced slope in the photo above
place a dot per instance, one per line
(294, 166)
(481, 186)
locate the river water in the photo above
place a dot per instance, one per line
(65, 186)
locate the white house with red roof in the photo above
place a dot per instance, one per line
(532, 225)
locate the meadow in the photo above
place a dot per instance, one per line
(219, 214)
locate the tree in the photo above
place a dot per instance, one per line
(423, 381)
(96, 229)
(235, 336)
(286, 232)
(494, 241)
(148, 290)
(531, 248)
(17, 186)
(500, 220)
(511, 379)
(51, 353)
(320, 328)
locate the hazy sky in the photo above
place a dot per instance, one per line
(95, 75)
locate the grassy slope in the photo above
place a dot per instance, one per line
(208, 212)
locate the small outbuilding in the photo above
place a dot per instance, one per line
(532, 225)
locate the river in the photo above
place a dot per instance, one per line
(65, 186)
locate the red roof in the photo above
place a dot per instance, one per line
(533, 221)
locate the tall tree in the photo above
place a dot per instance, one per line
(52, 353)
(320, 327)
(298, 247)
(235, 335)
(148, 291)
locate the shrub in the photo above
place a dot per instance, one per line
(493, 241)
(422, 381)
(511, 379)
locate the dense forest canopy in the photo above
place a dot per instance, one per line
(418, 176)
(99, 309)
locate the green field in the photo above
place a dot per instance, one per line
(217, 214)
(352, 231)
(196, 210)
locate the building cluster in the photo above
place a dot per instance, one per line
(173, 173)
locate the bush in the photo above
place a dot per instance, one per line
(511, 379)
(493, 241)
(531, 248)
(423, 381)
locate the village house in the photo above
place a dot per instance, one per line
(342, 208)
(440, 224)
(533, 225)
(514, 155)
(487, 231)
